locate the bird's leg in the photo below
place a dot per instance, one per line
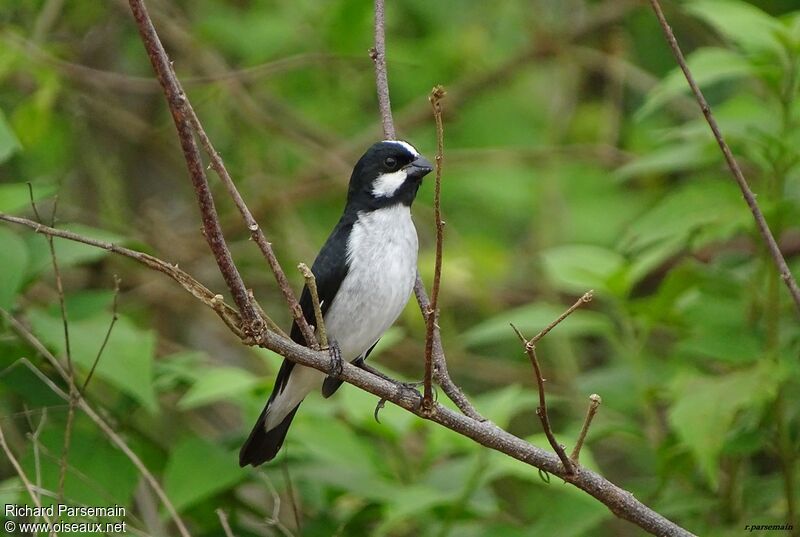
(336, 359)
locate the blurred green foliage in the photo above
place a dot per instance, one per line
(574, 159)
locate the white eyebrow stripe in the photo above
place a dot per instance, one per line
(386, 184)
(407, 146)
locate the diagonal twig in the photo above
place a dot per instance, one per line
(733, 165)
(252, 323)
(256, 233)
(585, 299)
(214, 301)
(541, 410)
(114, 319)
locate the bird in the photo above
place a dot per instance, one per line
(365, 273)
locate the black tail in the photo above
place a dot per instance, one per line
(262, 445)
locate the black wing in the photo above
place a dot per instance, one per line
(329, 269)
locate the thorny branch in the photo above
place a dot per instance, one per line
(733, 165)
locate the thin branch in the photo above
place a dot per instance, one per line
(432, 317)
(733, 165)
(585, 299)
(378, 55)
(176, 100)
(114, 318)
(256, 233)
(214, 301)
(274, 520)
(21, 473)
(62, 302)
(440, 372)
(223, 520)
(541, 411)
(87, 409)
(594, 403)
(34, 438)
(311, 283)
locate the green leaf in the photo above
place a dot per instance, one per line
(217, 383)
(680, 157)
(197, 470)
(15, 196)
(708, 65)
(741, 22)
(12, 268)
(127, 361)
(705, 407)
(503, 404)
(711, 206)
(576, 268)
(69, 252)
(98, 474)
(9, 144)
(530, 319)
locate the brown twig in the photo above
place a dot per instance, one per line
(733, 165)
(585, 299)
(541, 411)
(311, 283)
(176, 99)
(256, 233)
(440, 372)
(432, 317)
(214, 301)
(378, 55)
(594, 404)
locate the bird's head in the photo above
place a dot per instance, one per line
(390, 172)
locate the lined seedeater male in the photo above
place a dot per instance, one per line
(365, 273)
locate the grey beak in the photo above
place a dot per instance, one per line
(420, 167)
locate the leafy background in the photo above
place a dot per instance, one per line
(574, 160)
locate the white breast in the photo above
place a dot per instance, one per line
(382, 258)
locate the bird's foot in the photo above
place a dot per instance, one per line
(336, 359)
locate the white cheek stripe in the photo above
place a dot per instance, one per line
(408, 147)
(387, 183)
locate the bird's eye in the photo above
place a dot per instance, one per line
(390, 162)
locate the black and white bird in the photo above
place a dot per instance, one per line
(365, 273)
